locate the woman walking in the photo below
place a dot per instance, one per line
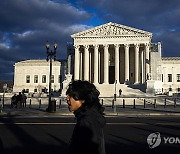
(83, 100)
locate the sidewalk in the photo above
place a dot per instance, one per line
(128, 111)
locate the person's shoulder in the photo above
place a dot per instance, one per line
(86, 120)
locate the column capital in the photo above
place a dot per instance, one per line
(106, 45)
(86, 46)
(96, 46)
(137, 45)
(126, 45)
(76, 46)
(116, 45)
(147, 44)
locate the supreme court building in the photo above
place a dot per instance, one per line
(112, 52)
(112, 55)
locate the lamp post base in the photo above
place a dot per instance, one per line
(51, 106)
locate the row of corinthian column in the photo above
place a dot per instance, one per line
(144, 60)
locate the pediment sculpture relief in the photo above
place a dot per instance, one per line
(111, 29)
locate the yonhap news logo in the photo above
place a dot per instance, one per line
(155, 139)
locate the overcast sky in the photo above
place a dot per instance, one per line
(26, 25)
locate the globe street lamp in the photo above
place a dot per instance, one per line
(50, 55)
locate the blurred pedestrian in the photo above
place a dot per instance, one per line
(14, 101)
(24, 97)
(83, 101)
(120, 92)
(19, 100)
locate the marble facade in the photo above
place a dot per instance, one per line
(112, 53)
(33, 76)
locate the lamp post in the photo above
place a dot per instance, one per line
(115, 89)
(4, 90)
(50, 55)
(114, 105)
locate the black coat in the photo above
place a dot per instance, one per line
(88, 137)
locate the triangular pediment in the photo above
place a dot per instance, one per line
(111, 29)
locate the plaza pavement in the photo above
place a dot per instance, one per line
(128, 111)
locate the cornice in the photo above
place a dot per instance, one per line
(170, 58)
(115, 37)
(41, 62)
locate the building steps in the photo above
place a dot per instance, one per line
(108, 90)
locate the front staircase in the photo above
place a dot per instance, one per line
(108, 90)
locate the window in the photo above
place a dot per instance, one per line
(170, 89)
(44, 79)
(178, 89)
(52, 79)
(169, 77)
(178, 77)
(162, 78)
(35, 90)
(27, 78)
(36, 79)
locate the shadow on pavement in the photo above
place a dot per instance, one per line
(27, 143)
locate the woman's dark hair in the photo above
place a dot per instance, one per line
(84, 90)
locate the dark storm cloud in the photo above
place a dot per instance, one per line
(26, 25)
(157, 16)
(20, 15)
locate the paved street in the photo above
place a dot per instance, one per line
(33, 130)
(123, 134)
